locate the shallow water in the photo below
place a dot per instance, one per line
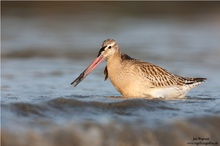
(40, 59)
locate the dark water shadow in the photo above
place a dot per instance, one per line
(200, 99)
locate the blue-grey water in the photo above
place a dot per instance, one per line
(45, 46)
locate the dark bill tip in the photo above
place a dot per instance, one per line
(78, 80)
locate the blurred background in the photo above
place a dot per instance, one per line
(46, 45)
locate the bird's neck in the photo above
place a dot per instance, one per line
(114, 70)
(115, 59)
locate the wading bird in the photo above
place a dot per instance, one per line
(135, 78)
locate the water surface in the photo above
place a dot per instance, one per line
(44, 51)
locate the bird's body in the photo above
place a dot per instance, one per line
(135, 78)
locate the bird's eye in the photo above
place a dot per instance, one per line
(109, 47)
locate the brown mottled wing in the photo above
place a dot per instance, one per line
(106, 73)
(158, 76)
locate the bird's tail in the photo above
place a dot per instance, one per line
(189, 81)
(193, 82)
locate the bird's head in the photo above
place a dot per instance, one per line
(108, 48)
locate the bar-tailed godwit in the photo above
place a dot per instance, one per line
(135, 78)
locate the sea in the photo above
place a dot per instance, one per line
(46, 45)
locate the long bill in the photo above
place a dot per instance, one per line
(88, 70)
